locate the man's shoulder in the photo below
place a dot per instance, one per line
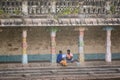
(59, 54)
(71, 54)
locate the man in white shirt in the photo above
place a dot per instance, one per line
(69, 56)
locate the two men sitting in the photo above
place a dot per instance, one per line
(63, 59)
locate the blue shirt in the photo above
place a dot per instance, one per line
(59, 57)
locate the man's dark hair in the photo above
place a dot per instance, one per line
(60, 51)
(68, 51)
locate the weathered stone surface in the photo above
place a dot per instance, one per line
(39, 40)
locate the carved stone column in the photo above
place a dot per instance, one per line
(53, 45)
(81, 44)
(108, 44)
(24, 48)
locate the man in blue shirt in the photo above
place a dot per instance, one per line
(59, 57)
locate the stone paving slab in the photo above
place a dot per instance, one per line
(48, 64)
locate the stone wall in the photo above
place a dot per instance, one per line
(10, 41)
(67, 38)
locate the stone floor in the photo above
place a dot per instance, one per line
(48, 64)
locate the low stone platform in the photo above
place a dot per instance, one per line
(48, 64)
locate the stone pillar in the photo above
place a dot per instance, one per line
(53, 6)
(81, 44)
(25, 7)
(24, 48)
(53, 46)
(108, 44)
